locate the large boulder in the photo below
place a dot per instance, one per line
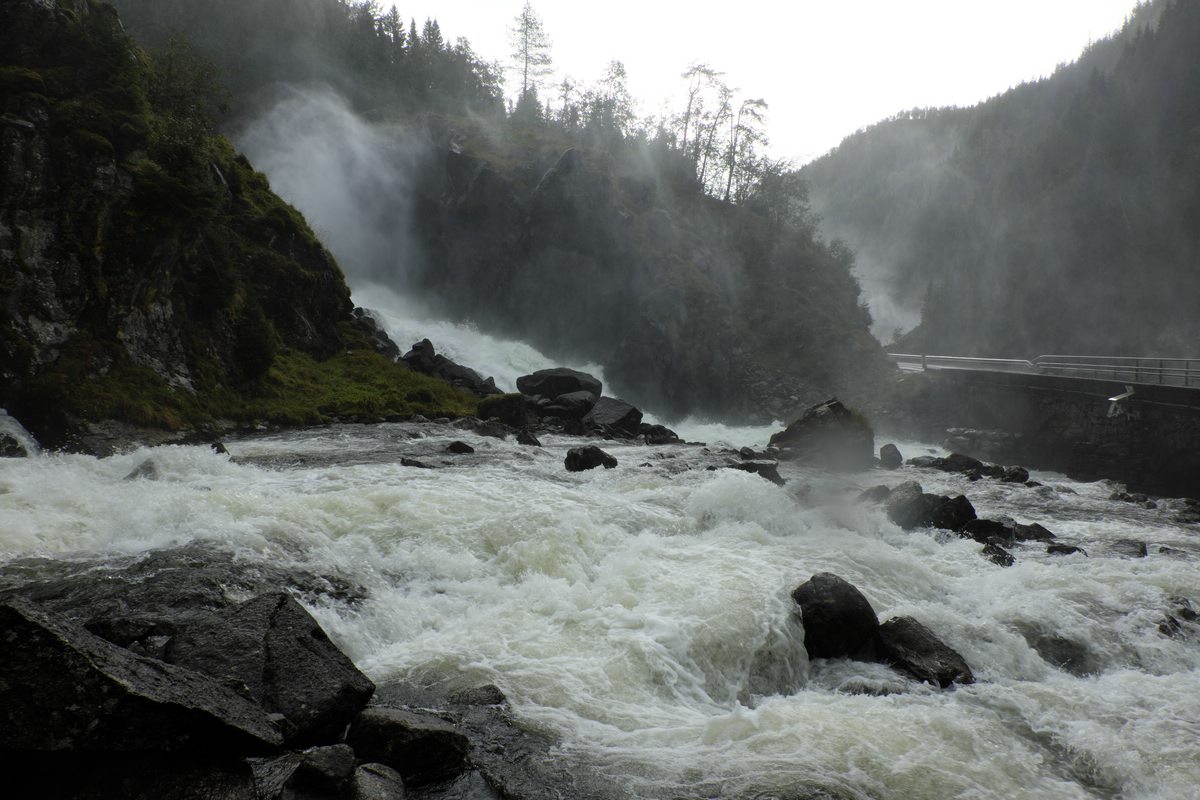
(890, 457)
(62, 689)
(910, 647)
(838, 620)
(829, 435)
(952, 513)
(421, 747)
(909, 507)
(514, 410)
(610, 415)
(584, 458)
(552, 383)
(572, 405)
(273, 646)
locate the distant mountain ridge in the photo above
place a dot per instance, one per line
(1060, 216)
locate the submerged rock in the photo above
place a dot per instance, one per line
(528, 439)
(910, 647)
(584, 458)
(459, 448)
(828, 435)
(1131, 548)
(764, 469)
(838, 620)
(993, 552)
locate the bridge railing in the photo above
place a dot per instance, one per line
(1165, 371)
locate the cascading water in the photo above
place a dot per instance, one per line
(643, 616)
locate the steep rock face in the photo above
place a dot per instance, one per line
(135, 246)
(694, 304)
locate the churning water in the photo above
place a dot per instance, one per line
(642, 614)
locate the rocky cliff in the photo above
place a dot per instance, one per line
(147, 273)
(692, 305)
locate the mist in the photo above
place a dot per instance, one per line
(351, 179)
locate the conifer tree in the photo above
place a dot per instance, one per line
(531, 50)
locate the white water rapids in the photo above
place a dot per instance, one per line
(642, 614)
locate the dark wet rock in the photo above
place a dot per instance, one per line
(1066, 654)
(953, 513)
(459, 448)
(830, 436)
(131, 776)
(424, 359)
(925, 462)
(910, 647)
(838, 620)
(63, 689)
(583, 458)
(553, 383)
(572, 405)
(614, 416)
(875, 494)
(1005, 530)
(486, 695)
(1015, 475)
(960, 462)
(377, 782)
(889, 457)
(1061, 549)
(526, 438)
(421, 747)
(1033, 532)
(658, 434)
(1184, 608)
(147, 470)
(320, 772)
(10, 447)
(996, 554)
(513, 410)
(274, 647)
(378, 337)
(1032, 484)
(412, 462)
(219, 448)
(764, 469)
(750, 454)
(1132, 548)
(909, 507)
(1180, 614)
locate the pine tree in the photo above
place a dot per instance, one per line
(531, 49)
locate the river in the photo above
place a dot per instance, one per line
(643, 616)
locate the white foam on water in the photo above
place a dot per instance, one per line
(644, 615)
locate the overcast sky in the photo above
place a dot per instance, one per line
(825, 67)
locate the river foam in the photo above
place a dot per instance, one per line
(643, 614)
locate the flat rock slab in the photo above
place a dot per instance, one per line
(275, 647)
(64, 689)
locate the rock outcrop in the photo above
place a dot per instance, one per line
(828, 435)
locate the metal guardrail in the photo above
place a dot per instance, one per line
(1125, 369)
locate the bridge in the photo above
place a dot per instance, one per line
(1133, 419)
(1124, 369)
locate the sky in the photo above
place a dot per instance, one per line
(825, 67)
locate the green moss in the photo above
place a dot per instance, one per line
(89, 142)
(16, 80)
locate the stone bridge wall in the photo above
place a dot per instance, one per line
(1152, 443)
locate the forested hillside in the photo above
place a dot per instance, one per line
(148, 274)
(671, 251)
(1057, 217)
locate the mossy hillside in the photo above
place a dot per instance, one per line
(183, 229)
